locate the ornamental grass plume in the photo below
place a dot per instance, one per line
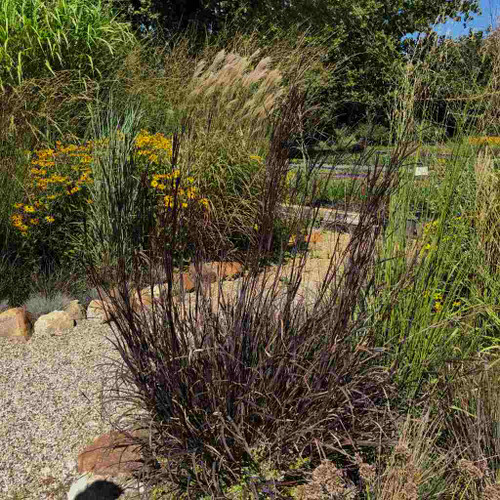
(491, 492)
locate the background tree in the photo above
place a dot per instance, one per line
(364, 40)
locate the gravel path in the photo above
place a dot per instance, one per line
(50, 408)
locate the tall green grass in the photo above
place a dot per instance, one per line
(40, 38)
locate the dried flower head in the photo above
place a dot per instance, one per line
(492, 492)
(367, 472)
(470, 469)
(327, 482)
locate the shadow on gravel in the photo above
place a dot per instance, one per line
(100, 490)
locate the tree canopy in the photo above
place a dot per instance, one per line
(364, 39)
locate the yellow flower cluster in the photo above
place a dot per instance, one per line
(47, 185)
(156, 147)
(480, 141)
(18, 222)
(171, 183)
(438, 301)
(67, 170)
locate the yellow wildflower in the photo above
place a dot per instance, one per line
(154, 183)
(29, 209)
(49, 219)
(34, 221)
(161, 186)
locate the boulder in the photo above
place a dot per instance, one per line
(55, 322)
(16, 323)
(206, 273)
(98, 310)
(75, 310)
(228, 270)
(111, 454)
(188, 282)
(147, 299)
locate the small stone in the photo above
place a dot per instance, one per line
(112, 454)
(48, 480)
(16, 323)
(55, 322)
(75, 310)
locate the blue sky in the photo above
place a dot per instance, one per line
(491, 11)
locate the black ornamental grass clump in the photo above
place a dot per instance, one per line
(228, 380)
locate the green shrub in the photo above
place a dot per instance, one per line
(38, 304)
(374, 133)
(430, 133)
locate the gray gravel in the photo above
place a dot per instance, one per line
(51, 408)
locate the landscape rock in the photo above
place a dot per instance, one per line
(16, 323)
(211, 271)
(55, 322)
(111, 454)
(75, 310)
(228, 270)
(187, 282)
(147, 299)
(206, 273)
(98, 311)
